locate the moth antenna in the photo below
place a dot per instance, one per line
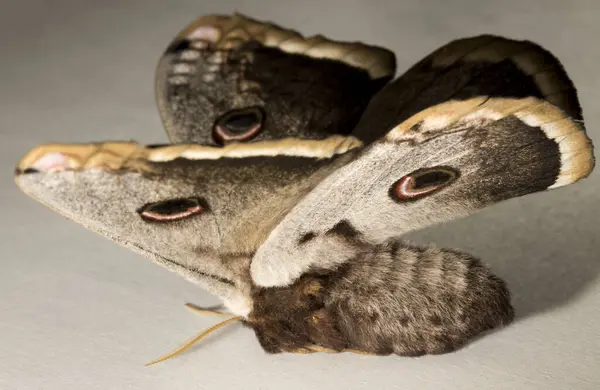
(200, 310)
(193, 340)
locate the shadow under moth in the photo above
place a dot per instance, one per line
(295, 164)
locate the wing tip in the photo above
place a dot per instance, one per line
(576, 149)
(227, 31)
(577, 159)
(543, 67)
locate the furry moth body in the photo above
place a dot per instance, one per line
(295, 166)
(392, 298)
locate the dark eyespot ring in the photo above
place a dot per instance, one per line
(171, 210)
(238, 125)
(422, 182)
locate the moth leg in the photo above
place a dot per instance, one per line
(359, 352)
(318, 348)
(200, 310)
(301, 351)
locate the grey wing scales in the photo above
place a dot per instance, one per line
(446, 160)
(230, 79)
(197, 210)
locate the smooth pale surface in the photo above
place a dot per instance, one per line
(79, 312)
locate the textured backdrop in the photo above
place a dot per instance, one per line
(79, 312)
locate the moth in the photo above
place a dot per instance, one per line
(296, 164)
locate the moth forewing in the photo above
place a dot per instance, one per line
(199, 211)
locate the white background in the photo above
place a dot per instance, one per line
(79, 312)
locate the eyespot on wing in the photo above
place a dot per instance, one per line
(422, 182)
(238, 125)
(171, 210)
